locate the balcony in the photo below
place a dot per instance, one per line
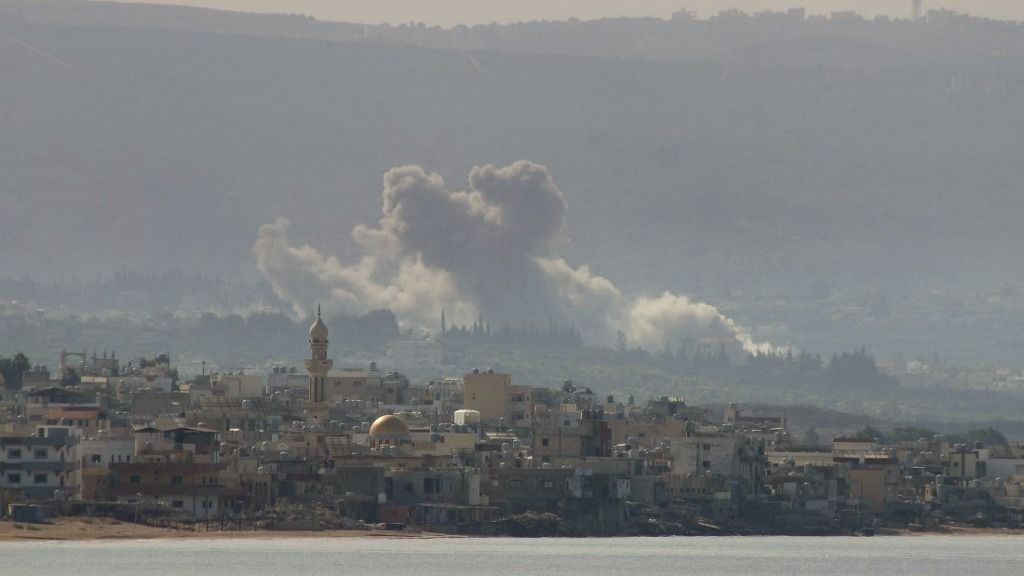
(38, 466)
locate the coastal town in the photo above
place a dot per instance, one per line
(369, 449)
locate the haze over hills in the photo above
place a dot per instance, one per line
(455, 12)
(736, 159)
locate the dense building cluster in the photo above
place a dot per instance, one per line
(476, 454)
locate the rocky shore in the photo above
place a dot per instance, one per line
(86, 529)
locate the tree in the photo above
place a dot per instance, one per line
(869, 431)
(857, 370)
(13, 370)
(987, 436)
(911, 434)
(811, 438)
(70, 379)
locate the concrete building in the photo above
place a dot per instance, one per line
(871, 472)
(735, 418)
(587, 435)
(177, 443)
(487, 393)
(716, 453)
(95, 456)
(239, 385)
(41, 466)
(368, 385)
(491, 394)
(198, 490)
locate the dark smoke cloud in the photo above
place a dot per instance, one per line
(490, 250)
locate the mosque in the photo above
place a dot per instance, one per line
(318, 364)
(386, 431)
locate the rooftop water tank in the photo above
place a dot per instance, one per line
(467, 417)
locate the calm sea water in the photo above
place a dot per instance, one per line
(747, 556)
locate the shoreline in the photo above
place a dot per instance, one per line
(101, 529)
(105, 529)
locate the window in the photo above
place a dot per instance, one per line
(175, 479)
(14, 478)
(40, 454)
(549, 485)
(14, 453)
(514, 483)
(40, 478)
(177, 504)
(135, 479)
(428, 485)
(96, 458)
(544, 441)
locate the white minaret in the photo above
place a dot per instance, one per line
(318, 365)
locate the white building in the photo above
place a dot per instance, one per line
(43, 466)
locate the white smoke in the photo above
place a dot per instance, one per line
(489, 250)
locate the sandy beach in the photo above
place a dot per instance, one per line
(85, 529)
(80, 529)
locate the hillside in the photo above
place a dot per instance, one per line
(862, 159)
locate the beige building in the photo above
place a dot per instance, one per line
(497, 399)
(714, 453)
(443, 444)
(370, 385)
(873, 482)
(871, 472)
(488, 393)
(239, 385)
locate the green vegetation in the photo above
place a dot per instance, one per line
(988, 436)
(850, 382)
(13, 369)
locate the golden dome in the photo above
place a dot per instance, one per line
(389, 427)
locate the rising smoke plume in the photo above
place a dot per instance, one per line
(490, 250)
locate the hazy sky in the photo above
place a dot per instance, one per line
(450, 12)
